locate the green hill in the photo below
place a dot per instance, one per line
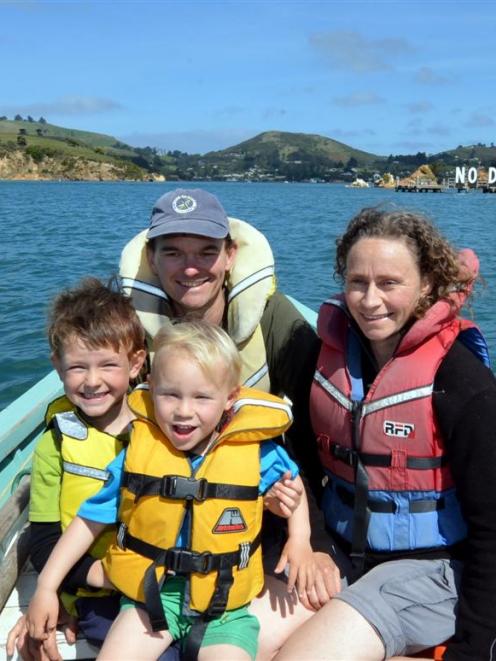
(470, 154)
(51, 150)
(62, 139)
(299, 146)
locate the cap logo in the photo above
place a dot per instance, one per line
(184, 204)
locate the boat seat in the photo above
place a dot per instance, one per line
(435, 653)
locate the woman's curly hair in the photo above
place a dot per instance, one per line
(436, 258)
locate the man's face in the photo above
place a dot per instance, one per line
(192, 270)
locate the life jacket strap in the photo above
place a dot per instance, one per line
(180, 560)
(419, 506)
(350, 457)
(216, 608)
(361, 511)
(179, 487)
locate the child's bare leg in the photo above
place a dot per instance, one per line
(131, 638)
(223, 653)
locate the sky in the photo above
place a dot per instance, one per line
(390, 77)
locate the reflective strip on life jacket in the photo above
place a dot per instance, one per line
(372, 407)
(144, 286)
(258, 376)
(85, 471)
(267, 272)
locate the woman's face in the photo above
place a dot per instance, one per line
(382, 287)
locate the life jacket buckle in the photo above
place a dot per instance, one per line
(179, 560)
(346, 455)
(183, 488)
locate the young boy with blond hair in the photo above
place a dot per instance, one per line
(97, 345)
(188, 495)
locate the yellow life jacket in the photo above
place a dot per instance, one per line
(85, 453)
(250, 283)
(224, 556)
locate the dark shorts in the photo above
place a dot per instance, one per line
(95, 616)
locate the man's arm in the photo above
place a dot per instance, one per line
(292, 348)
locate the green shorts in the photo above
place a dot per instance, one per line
(235, 627)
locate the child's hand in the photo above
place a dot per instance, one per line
(42, 613)
(302, 568)
(284, 496)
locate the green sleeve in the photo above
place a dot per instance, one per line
(292, 348)
(46, 478)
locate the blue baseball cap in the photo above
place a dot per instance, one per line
(188, 211)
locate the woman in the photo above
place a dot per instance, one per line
(404, 415)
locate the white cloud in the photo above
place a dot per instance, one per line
(66, 105)
(271, 113)
(358, 99)
(351, 133)
(418, 107)
(413, 146)
(352, 51)
(427, 76)
(438, 129)
(198, 141)
(480, 120)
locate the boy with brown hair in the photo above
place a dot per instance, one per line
(97, 346)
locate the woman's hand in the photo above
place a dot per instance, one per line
(35, 650)
(284, 496)
(326, 585)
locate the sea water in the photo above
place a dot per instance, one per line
(53, 233)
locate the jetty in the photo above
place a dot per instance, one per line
(419, 187)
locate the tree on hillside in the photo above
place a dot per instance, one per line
(3, 117)
(18, 118)
(30, 119)
(42, 120)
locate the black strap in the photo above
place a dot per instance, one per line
(350, 456)
(153, 602)
(184, 561)
(179, 487)
(216, 607)
(421, 506)
(389, 507)
(361, 511)
(192, 642)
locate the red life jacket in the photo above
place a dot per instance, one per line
(389, 486)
